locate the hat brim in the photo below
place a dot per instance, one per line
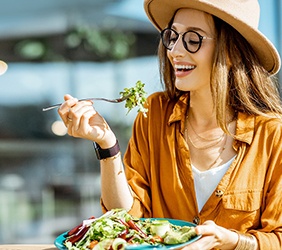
(160, 13)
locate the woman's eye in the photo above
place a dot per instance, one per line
(193, 42)
(173, 39)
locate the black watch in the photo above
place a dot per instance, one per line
(106, 153)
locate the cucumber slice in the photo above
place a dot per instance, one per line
(160, 227)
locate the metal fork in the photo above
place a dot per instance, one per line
(117, 100)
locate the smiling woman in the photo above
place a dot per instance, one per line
(206, 133)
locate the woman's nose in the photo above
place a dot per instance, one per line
(178, 48)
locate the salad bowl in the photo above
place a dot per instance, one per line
(59, 241)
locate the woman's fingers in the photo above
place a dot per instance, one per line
(65, 107)
(214, 236)
(76, 112)
(80, 125)
(88, 123)
(67, 97)
(204, 243)
(82, 120)
(207, 228)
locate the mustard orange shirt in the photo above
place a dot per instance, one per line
(249, 196)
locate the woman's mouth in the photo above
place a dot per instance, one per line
(184, 67)
(183, 70)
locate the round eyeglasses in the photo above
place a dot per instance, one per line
(191, 40)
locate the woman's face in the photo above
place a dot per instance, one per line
(193, 70)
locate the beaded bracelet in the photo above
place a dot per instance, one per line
(245, 242)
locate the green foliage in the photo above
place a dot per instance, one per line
(114, 44)
(137, 97)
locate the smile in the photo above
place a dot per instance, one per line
(184, 67)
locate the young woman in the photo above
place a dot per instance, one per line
(209, 150)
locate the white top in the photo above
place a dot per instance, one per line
(205, 182)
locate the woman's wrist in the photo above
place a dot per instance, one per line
(106, 153)
(245, 241)
(108, 140)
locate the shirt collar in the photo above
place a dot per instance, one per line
(245, 126)
(179, 109)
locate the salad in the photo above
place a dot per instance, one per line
(136, 97)
(117, 229)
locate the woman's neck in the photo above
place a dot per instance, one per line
(202, 112)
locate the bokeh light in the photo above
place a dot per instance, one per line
(59, 128)
(3, 67)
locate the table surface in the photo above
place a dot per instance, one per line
(27, 247)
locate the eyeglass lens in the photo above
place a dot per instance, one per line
(191, 40)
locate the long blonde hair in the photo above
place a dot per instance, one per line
(238, 81)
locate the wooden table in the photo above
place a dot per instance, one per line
(28, 247)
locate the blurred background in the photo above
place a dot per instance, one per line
(49, 181)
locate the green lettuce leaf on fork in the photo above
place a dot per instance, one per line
(137, 97)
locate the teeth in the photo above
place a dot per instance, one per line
(181, 67)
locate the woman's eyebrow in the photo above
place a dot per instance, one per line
(192, 28)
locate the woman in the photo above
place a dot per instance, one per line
(209, 150)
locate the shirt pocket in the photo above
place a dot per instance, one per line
(242, 200)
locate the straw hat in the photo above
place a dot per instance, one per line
(243, 15)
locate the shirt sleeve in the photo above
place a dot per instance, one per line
(136, 168)
(139, 156)
(270, 231)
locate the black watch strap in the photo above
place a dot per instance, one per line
(106, 153)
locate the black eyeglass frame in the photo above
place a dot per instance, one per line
(201, 38)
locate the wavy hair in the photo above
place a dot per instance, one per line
(238, 82)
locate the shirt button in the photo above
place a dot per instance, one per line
(218, 193)
(196, 220)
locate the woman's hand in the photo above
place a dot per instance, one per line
(213, 236)
(83, 121)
